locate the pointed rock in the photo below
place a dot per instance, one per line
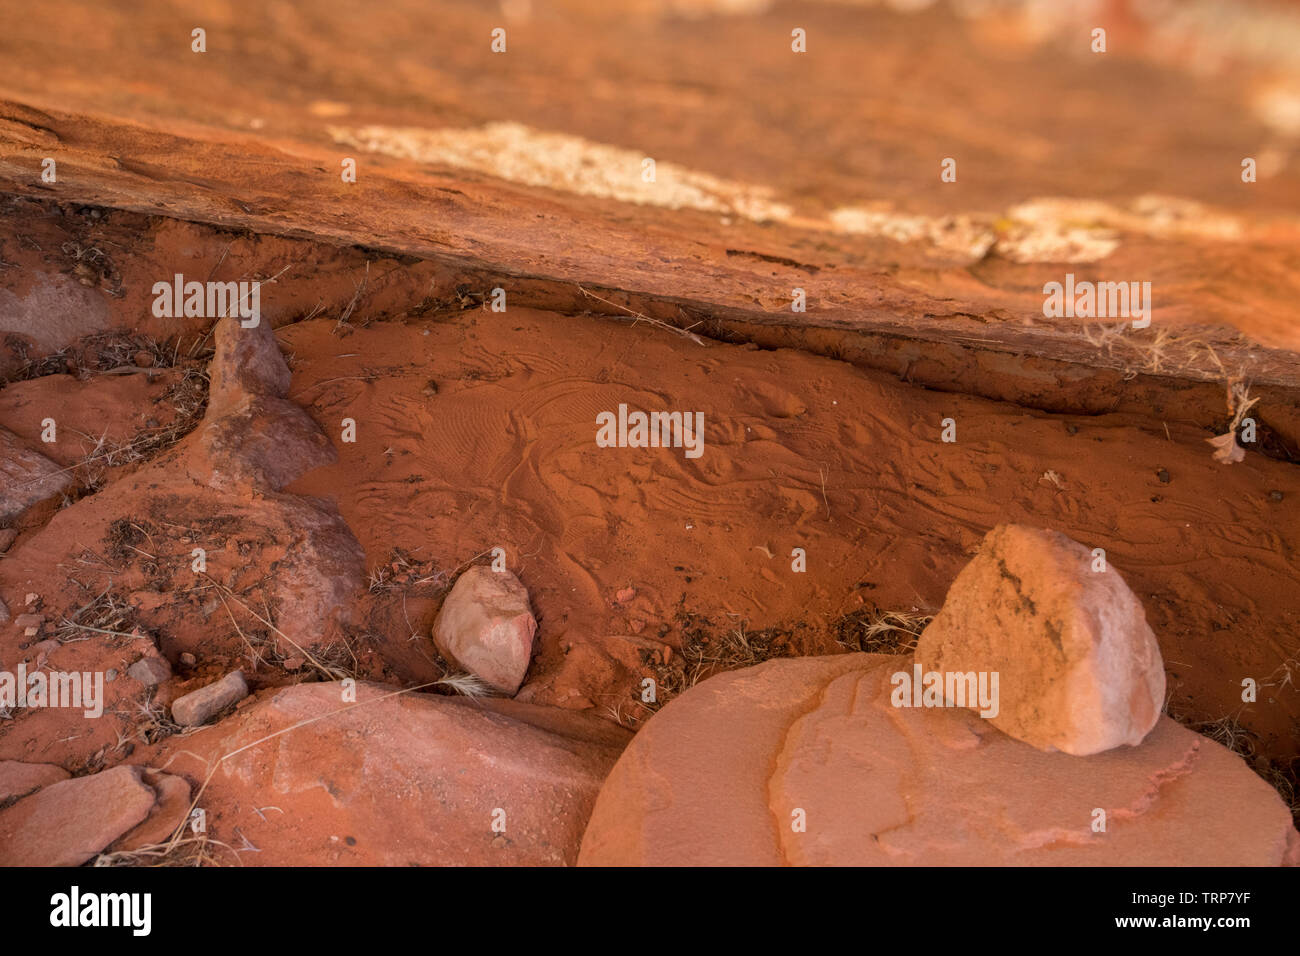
(262, 442)
(246, 362)
(1079, 669)
(150, 670)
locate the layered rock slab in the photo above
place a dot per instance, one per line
(721, 775)
(170, 811)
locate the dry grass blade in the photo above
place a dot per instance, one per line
(105, 614)
(193, 850)
(467, 685)
(657, 323)
(148, 724)
(882, 632)
(326, 670)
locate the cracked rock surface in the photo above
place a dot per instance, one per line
(722, 775)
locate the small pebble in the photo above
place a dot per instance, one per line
(197, 707)
(150, 670)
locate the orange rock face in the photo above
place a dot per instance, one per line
(410, 779)
(67, 823)
(18, 779)
(318, 338)
(806, 762)
(1079, 669)
(29, 477)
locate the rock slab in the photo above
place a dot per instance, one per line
(402, 779)
(18, 779)
(170, 810)
(69, 822)
(26, 477)
(808, 762)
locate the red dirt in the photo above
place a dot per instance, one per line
(476, 429)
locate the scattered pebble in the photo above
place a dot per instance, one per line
(150, 670)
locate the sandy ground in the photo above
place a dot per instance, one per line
(822, 429)
(476, 432)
